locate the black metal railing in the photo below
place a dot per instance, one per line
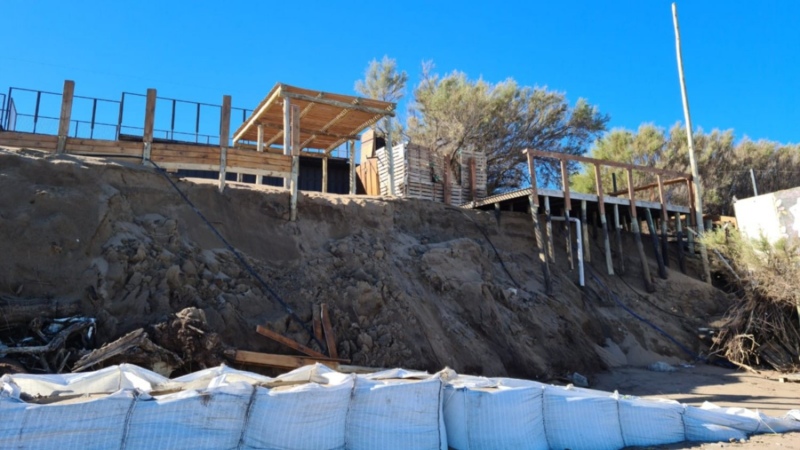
(37, 111)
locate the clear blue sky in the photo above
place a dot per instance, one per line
(742, 59)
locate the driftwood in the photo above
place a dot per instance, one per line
(135, 347)
(17, 311)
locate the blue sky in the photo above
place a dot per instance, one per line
(742, 59)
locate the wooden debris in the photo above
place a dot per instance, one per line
(282, 361)
(330, 338)
(135, 348)
(291, 343)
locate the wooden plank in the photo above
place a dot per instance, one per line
(664, 220)
(264, 106)
(340, 104)
(291, 343)
(295, 152)
(224, 135)
(149, 116)
(330, 338)
(648, 281)
(533, 199)
(66, 114)
(317, 323)
(645, 187)
(281, 361)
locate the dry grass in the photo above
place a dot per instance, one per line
(761, 328)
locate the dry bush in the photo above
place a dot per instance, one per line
(761, 328)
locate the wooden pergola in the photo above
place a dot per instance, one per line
(310, 123)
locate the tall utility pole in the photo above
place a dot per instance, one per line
(698, 190)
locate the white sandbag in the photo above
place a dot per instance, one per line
(76, 424)
(650, 422)
(582, 419)
(497, 413)
(710, 424)
(108, 380)
(208, 419)
(307, 416)
(396, 413)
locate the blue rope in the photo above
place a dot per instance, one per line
(241, 259)
(616, 299)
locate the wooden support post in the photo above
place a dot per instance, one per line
(587, 252)
(330, 338)
(651, 227)
(325, 174)
(66, 115)
(691, 218)
(567, 207)
(473, 180)
(390, 156)
(603, 222)
(149, 122)
(317, 322)
(240, 177)
(664, 219)
(648, 281)
(260, 142)
(224, 136)
(352, 153)
(618, 231)
(679, 233)
(287, 138)
(533, 199)
(551, 250)
(295, 146)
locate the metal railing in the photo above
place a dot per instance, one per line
(38, 111)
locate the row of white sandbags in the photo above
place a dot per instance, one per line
(315, 407)
(310, 408)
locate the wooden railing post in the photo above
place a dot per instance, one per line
(533, 199)
(149, 123)
(603, 221)
(66, 115)
(224, 136)
(637, 236)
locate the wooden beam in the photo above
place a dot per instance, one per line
(282, 361)
(598, 180)
(338, 104)
(587, 160)
(533, 199)
(356, 130)
(287, 138)
(352, 154)
(295, 143)
(260, 141)
(66, 115)
(325, 174)
(567, 208)
(664, 218)
(645, 187)
(149, 123)
(551, 250)
(618, 231)
(291, 343)
(648, 281)
(254, 118)
(587, 251)
(224, 135)
(317, 322)
(330, 338)
(275, 126)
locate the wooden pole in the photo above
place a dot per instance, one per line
(224, 135)
(352, 146)
(651, 227)
(618, 231)
(551, 250)
(390, 155)
(648, 281)
(533, 199)
(149, 122)
(325, 174)
(260, 143)
(587, 252)
(690, 218)
(603, 222)
(679, 232)
(567, 207)
(66, 115)
(664, 219)
(287, 138)
(295, 146)
(698, 188)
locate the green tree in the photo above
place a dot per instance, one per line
(382, 81)
(452, 112)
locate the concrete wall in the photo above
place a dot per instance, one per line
(775, 215)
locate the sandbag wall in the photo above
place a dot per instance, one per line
(315, 407)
